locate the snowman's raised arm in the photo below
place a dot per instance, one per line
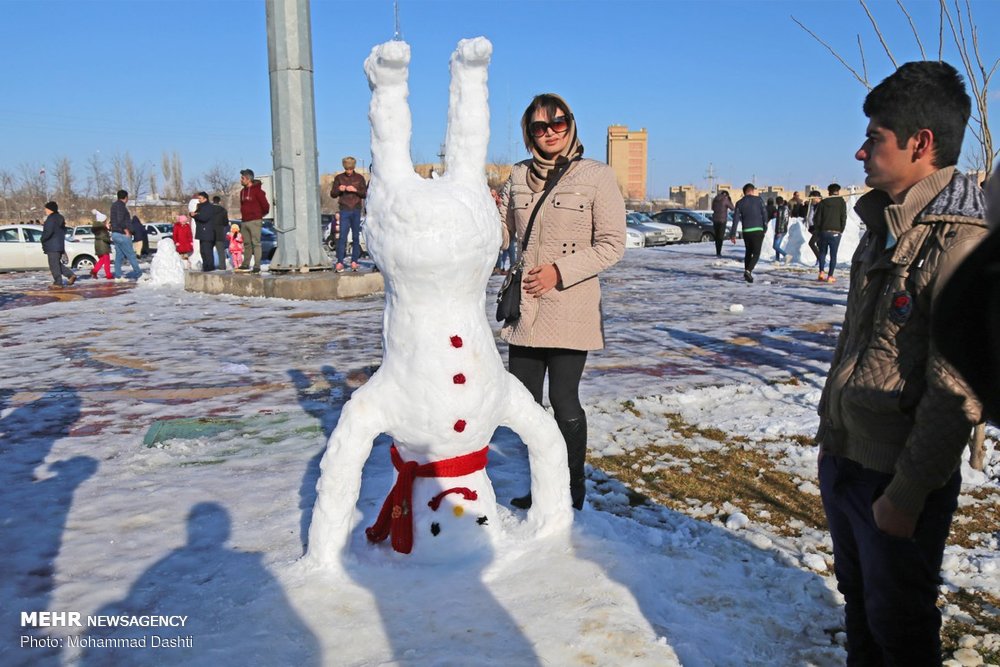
(468, 134)
(551, 506)
(340, 480)
(387, 68)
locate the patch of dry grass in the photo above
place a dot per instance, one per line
(740, 472)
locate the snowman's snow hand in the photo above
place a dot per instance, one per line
(474, 52)
(388, 64)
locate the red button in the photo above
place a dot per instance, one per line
(456, 341)
(459, 379)
(460, 425)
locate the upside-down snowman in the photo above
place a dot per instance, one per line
(442, 388)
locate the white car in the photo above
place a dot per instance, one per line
(21, 250)
(671, 233)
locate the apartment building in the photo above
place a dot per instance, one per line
(627, 156)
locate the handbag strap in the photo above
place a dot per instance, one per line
(549, 185)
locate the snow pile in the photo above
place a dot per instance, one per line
(167, 267)
(796, 242)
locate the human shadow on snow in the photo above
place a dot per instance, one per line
(36, 499)
(232, 603)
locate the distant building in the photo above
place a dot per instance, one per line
(627, 155)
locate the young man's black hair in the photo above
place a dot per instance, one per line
(899, 104)
(122, 194)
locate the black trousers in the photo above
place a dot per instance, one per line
(564, 368)
(221, 246)
(57, 268)
(890, 584)
(207, 249)
(720, 236)
(753, 242)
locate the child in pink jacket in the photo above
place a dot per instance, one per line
(235, 244)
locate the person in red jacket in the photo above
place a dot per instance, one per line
(183, 239)
(253, 207)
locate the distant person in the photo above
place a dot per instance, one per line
(54, 246)
(781, 216)
(235, 239)
(204, 218)
(350, 189)
(121, 237)
(814, 199)
(771, 208)
(750, 212)
(895, 416)
(102, 246)
(140, 238)
(253, 207)
(721, 206)
(221, 228)
(183, 238)
(796, 207)
(505, 258)
(829, 221)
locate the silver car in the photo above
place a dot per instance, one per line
(21, 250)
(663, 233)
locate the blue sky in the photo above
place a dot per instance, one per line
(732, 83)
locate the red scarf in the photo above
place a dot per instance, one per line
(396, 516)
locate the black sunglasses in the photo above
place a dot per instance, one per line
(558, 125)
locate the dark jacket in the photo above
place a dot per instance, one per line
(206, 218)
(220, 222)
(349, 200)
(750, 211)
(781, 215)
(120, 217)
(54, 234)
(138, 229)
(891, 402)
(102, 239)
(831, 215)
(253, 203)
(721, 206)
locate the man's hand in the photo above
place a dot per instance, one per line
(343, 188)
(891, 520)
(350, 188)
(541, 279)
(733, 239)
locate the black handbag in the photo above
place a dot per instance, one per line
(509, 296)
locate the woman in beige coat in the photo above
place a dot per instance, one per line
(578, 232)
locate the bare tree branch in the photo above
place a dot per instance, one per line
(879, 33)
(864, 65)
(941, 33)
(864, 81)
(916, 35)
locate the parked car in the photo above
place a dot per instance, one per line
(156, 231)
(21, 250)
(650, 235)
(82, 233)
(268, 238)
(694, 226)
(672, 233)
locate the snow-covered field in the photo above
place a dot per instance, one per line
(160, 450)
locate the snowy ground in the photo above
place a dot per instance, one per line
(209, 525)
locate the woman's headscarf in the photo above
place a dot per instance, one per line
(542, 167)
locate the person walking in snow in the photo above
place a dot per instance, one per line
(54, 245)
(810, 213)
(781, 216)
(829, 221)
(102, 245)
(721, 206)
(895, 416)
(751, 213)
(578, 231)
(121, 237)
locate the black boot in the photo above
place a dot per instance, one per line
(575, 433)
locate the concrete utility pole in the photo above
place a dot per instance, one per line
(293, 135)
